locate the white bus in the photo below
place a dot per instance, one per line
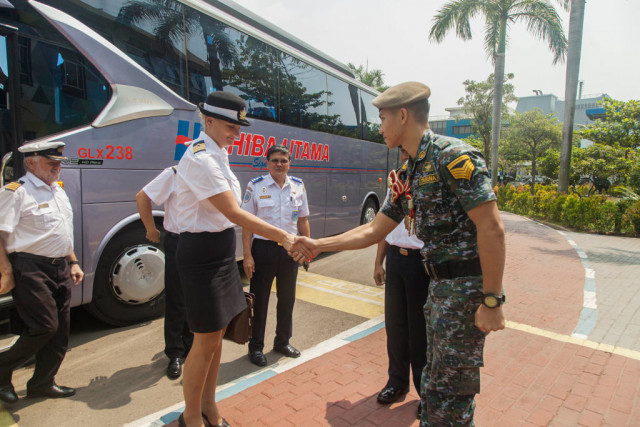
(118, 81)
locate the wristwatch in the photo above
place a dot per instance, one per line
(493, 300)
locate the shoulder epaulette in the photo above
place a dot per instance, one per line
(175, 169)
(199, 146)
(257, 179)
(298, 180)
(13, 186)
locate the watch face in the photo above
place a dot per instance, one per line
(491, 301)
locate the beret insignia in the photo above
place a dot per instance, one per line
(461, 167)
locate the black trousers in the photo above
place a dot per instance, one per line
(177, 336)
(42, 299)
(272, 261)
(406, 291)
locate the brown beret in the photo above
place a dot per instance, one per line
(402, 94)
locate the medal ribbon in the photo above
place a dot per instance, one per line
(398, 188)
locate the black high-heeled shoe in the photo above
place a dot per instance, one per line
(207, 423)
(181, 421)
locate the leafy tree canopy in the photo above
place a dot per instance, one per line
(478, 103)
(529, 135)
(620, 127)
(601, 161)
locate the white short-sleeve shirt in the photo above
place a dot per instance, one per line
(203, 172)
(36, 218)
(162, 190)
(280, 207)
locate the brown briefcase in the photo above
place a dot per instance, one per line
(239, 329)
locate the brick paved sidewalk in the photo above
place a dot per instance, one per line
(535, 373)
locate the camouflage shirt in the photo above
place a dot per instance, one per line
(447, 179)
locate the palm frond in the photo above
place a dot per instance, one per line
(455, 14)
(491, 38)
(544, 23)
(135, 11)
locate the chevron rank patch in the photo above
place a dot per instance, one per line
(462, 167)
(199, 146)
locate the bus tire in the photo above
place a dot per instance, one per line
(369, 211)
(128, 286)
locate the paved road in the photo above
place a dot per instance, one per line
(538, 372)
(553, 365)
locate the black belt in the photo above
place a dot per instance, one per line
(170, 234)
(405, 251)
(45, 259)
(453, 269)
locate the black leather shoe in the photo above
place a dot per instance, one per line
(391, 394)
(53, 391)
(174, 370)
(288, 350)
(8, 394)
(258, 358)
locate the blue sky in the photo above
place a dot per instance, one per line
(392, 36)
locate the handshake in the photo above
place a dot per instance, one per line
(301, 248)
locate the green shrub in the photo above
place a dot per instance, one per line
(594, 213)
(631, 219)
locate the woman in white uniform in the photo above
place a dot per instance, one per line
(208, 206)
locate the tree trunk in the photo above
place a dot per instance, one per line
(496, 118)
(571, 88)
(534, 172)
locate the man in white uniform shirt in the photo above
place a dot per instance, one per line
(405, 294)
(177, 336)
(38, 265)
(280, 200)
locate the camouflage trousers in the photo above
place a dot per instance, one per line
(451, 377)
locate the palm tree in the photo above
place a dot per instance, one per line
(571, 87)
(373, 78)
(174, 22)
(541, 20)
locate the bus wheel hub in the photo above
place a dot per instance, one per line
(137, 275)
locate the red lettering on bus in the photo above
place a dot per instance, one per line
(257, 145)
(316, 151)
(295, 145)
(247, 145)
(305, 151)
(270, 143)
(238, 143)
(325, 154)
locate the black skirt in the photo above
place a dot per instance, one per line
(210, 279)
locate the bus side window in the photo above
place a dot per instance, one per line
(302, 91)
(344, 110)
(370, 119)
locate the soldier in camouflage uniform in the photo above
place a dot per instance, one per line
(445, 197)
